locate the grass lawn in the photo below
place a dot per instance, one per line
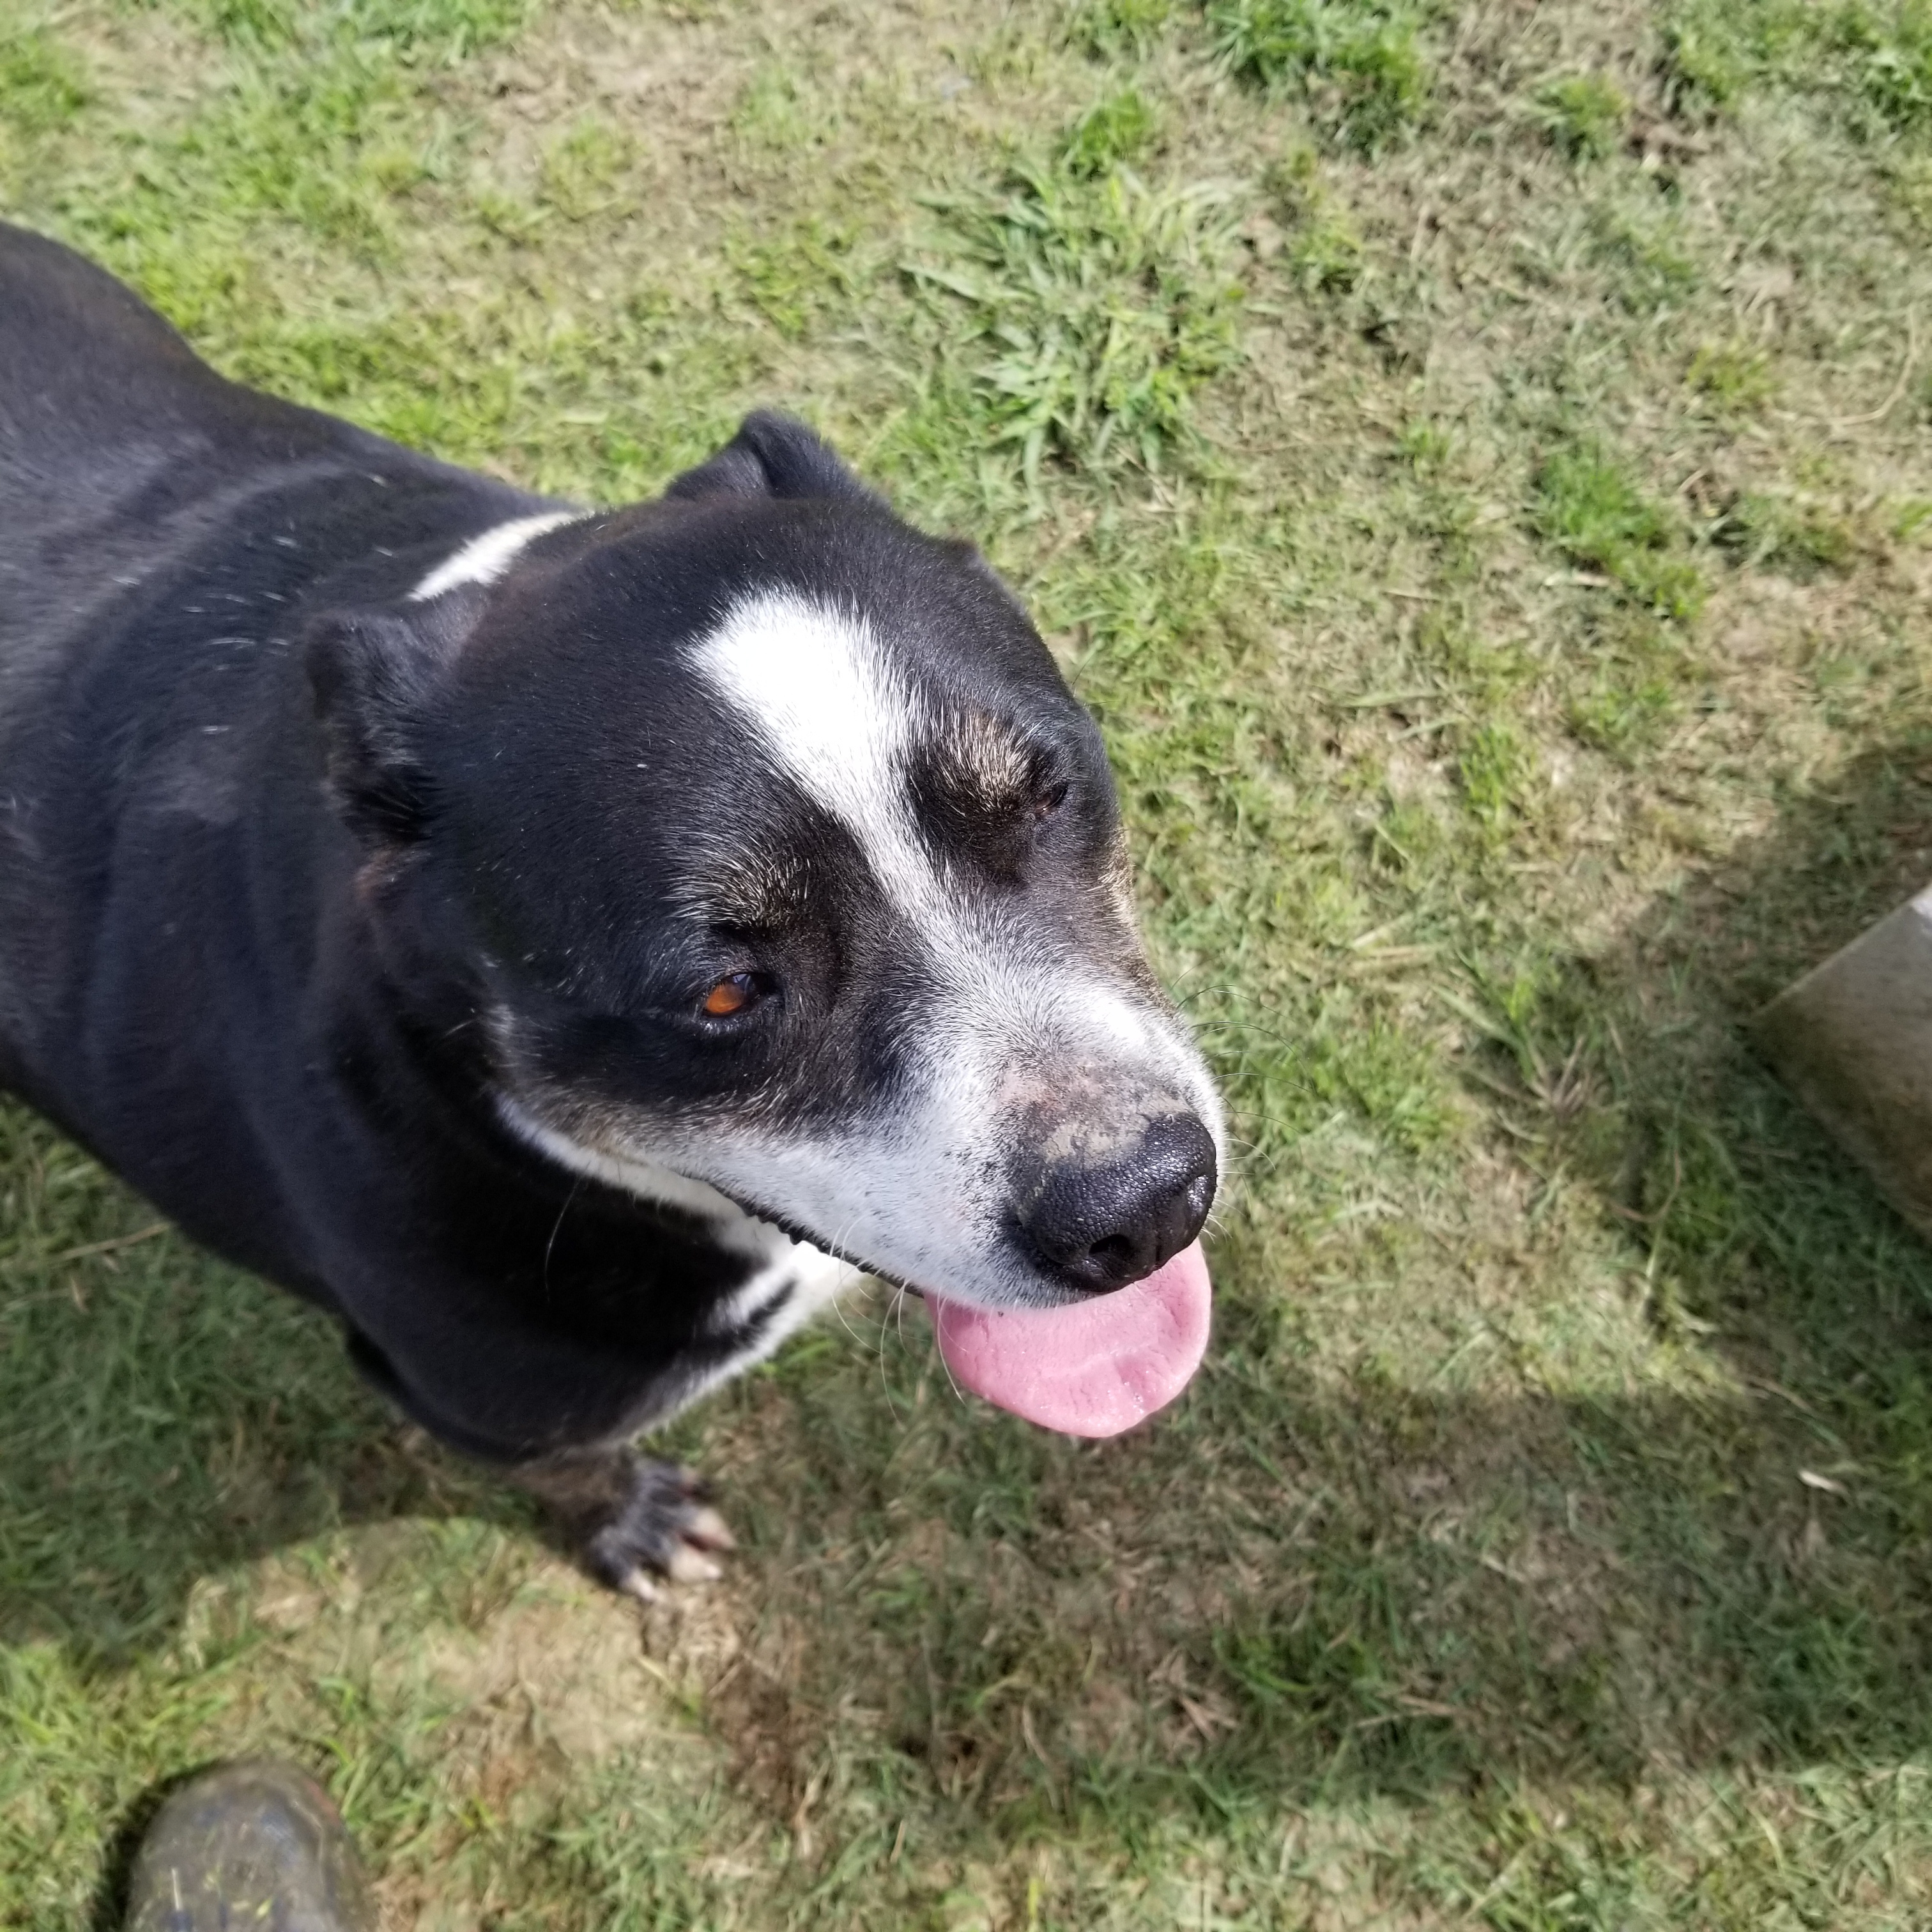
(1476, 461)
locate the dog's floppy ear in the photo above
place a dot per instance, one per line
(773, 455)
(375, 674)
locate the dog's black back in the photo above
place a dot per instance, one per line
(182, 982)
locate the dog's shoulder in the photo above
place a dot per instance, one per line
(119, 446)
(88, 369)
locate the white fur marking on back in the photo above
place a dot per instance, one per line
(484, 559)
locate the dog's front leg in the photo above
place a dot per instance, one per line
(631, 1519)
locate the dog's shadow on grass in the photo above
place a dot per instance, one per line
(1378, 1586)
(163, 1416)
(1733, 1570)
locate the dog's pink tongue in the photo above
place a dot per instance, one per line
(1092, 1369)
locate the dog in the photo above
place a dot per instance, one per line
(570, 946)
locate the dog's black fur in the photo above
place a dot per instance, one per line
(301, 871)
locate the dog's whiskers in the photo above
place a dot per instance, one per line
(557, 1228)
(885, 1382)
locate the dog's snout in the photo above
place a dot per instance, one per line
(1101, 1226)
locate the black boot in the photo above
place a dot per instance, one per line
(253, 1845)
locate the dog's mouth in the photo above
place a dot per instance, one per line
(1094, 1368)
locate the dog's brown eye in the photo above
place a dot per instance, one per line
(1050, 801)
(732, 995)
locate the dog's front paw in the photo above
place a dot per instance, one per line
(633, 1521)
(663, 1528)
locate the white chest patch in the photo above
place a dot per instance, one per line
(484, 559)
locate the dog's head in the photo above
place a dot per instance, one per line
(779, 856)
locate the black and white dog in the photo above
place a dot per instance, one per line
(569, 945)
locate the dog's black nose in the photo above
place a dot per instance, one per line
(1102, 1227)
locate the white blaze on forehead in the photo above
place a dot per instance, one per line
(834, 716)
(484, 559)
(833, 712)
